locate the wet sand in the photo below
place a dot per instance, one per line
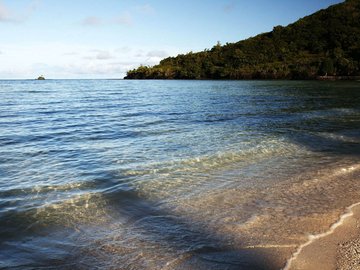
(338, 248)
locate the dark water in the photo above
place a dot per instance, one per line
(106, 174)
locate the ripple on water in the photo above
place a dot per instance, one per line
(172, 174)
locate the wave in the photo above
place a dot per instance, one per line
(204, 163)
(312, 238)
(343, 138)
(348, 212)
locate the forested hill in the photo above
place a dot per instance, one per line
(324, 43)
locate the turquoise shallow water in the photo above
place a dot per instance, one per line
(171, 174)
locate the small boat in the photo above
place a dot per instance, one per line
(41, 77)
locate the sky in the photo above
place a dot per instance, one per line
(103, 39)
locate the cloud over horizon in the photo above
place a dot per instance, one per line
(6, 15)
(145, 9)
(91, 21)
(124, 18)
(68, 60)
(9, 16)
(157, 53)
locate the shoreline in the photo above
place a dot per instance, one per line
(334, 249)
(338, 78)
(318, 78)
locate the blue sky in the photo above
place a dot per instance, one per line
(103, 39)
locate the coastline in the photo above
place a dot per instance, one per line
(338, 248)
(338, 78)
(302, 236)
(318, 78)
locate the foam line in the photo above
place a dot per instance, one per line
(311, 238)
(270, 246)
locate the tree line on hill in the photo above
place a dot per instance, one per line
(326, 43)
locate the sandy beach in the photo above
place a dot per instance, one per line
(338, 248)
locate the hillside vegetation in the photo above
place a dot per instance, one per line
(324, 43)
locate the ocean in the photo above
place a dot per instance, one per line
(118, 174)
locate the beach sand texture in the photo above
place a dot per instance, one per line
(338, 248)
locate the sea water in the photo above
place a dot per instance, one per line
(115, 174)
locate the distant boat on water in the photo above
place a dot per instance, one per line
(41, 77)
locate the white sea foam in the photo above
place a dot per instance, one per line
(271, 246)
(339, 137)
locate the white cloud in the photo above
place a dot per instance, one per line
(91, 21)
(145, 9)
(124, 19)
(99, 55)
(92, 68)
(66, 60)
(124, 49)
(70, 53)
(157, 53)
(7, 15)
(34, 5)
(104, 55)
(139, 53)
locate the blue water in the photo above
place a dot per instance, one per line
(113, 174)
